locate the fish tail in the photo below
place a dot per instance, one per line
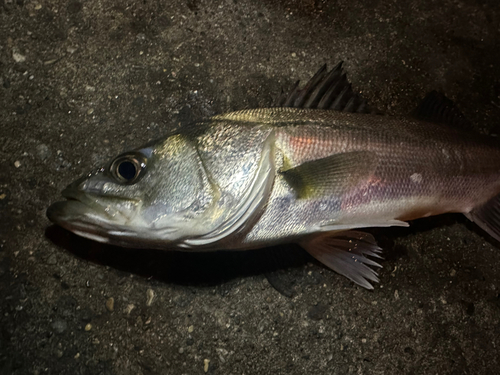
(487, 217)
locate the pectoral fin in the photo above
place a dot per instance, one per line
(347, 253)
(332, 175)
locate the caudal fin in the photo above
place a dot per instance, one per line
(346, 253)
(487, 217)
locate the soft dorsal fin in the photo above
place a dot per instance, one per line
(436, 107)
(325, 90)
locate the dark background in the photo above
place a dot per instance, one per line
(81, 81)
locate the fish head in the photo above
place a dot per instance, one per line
(148, 197)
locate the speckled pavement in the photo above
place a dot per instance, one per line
(81, 81)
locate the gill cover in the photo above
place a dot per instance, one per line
(241, 194)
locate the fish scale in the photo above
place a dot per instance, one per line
(438, 184)
(312, 176)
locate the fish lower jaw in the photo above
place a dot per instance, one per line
(131, 236)
(91, 236)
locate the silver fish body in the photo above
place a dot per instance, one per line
(374, 171)
(259, 177)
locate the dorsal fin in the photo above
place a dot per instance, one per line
(436, 107)
(325, 90)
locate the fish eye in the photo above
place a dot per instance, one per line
(127, 168)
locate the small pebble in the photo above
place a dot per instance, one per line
(129, 308)
(206, 363)
(43, 151)
(18, 57)
(52, 260)
(110, 304)
(59, 326)
(151, 296)
(49, 62)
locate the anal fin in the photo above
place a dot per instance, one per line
(487, 217)
(347, 254)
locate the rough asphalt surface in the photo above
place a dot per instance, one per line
(81, 81)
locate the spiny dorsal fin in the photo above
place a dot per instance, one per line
(326, 90)
(436, 107)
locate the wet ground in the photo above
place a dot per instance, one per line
(81, 81)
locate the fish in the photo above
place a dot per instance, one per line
(312, 170)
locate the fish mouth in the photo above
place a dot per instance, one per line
(81, 215)
(76, 217)
(76, 206)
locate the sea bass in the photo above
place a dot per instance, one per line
(311, 171)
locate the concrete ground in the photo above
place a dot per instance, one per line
(81, 81)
